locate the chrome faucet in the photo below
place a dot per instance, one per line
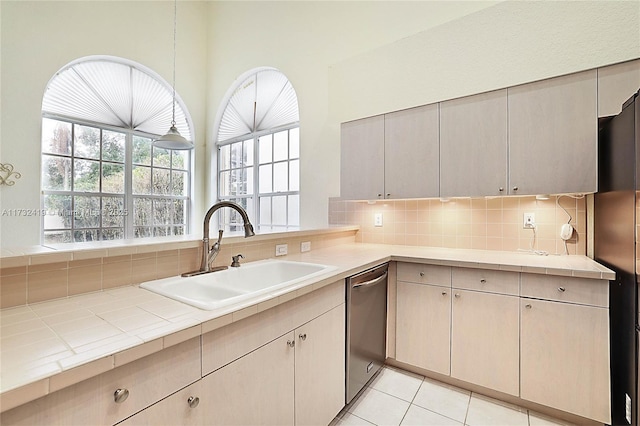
(209, 253)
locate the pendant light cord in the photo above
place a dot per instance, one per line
(175, 24)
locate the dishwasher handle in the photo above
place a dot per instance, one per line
(372, 282)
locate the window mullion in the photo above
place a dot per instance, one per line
(128, 186)
(256, 180)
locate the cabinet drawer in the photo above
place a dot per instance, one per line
(424, 274)
(488, 280)
(91, 402)
(583, 291)
(226, 344)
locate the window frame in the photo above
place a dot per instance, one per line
(257, 196)
(128, 229)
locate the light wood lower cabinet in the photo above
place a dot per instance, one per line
(565, 357)
(182, 408)
(256, 389)
(92, 402)
(295, 379)
(319, 370)
(423, 326)
(484, 340)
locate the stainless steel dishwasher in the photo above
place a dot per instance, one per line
(366, 327)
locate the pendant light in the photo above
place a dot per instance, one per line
(173, 139)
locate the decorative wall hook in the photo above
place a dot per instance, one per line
(7, 173)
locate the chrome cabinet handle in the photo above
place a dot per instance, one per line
(291, 343)
(561, 289)
(528, 306)
(120, 395)
(303, 337)
(483, 281)
(515, 188)
(444, 293)
(193, 401)
(457, 295)
(501, 189)
(388, 194)
(379, 195)
(422, 274)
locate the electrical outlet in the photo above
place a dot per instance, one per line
(377, 219)
(281, 249)
(305, 246)
(529, 221)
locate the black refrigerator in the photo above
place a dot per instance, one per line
(616, 228)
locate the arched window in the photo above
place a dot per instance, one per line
(101, 177)
(259, 152)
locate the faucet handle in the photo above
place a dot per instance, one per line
(235, 260)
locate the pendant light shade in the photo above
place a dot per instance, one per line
(173, 139)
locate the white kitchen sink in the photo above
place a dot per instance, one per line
(217, 289)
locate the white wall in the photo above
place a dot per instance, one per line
(511, 43)
(38, 38)
(303, 39)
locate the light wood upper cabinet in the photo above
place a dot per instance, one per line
(423, 326)
(616, 84)
(362, 159)
(473, 145)
(565, 357)
(319, 368)
(553, 135)
(391, 156)
(411, 153)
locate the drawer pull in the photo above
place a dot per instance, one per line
(303, 337)
(561, 289)
(291, 343)
(528, 306)
(120, 395)
(501, 189)
(193, 401)
(515, 188)
(457, 295)
(422, 274)
(444, 293)
(482, 281)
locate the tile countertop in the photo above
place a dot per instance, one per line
(51, 345)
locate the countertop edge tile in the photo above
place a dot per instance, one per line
(80, 373)
(23, 394)
(137, 352)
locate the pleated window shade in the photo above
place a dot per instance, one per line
(265, 100)
(115, 92)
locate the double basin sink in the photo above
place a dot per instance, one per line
(234, 285)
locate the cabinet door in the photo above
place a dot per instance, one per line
(362, 159)
(473, 145)
(553, 135)
(616, 84)
(255, 389)
(320, 368)
(411, 153)
(423, 326)
(484, 340)
(565, 357)
(182, 408)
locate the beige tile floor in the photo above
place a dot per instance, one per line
(397, 397)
